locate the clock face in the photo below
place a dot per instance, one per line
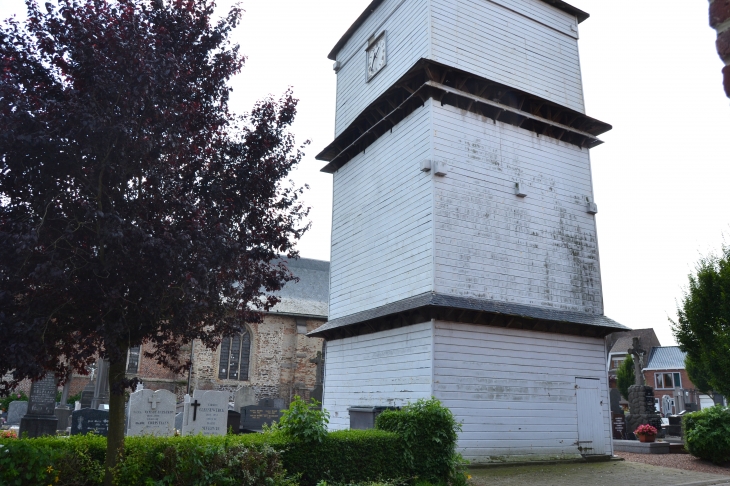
(376, 56)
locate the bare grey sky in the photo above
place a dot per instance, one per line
(649, 68)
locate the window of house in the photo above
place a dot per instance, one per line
(133, 360)
(616, 362)
(668, 380)
(235, 357)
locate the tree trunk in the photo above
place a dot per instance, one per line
(115, 436)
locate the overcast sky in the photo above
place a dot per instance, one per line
(649, 68)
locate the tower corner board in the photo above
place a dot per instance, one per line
(465, 261)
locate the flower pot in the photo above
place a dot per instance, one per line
(647, 438)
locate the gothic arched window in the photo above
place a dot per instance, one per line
(235, 357)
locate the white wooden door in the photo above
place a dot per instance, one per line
(591, 423)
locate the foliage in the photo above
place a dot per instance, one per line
(707, 434)
(703, 324)
(625, 376)
(13, 397)
(76, 460)
(135, 207)
(71, 399)
(429, 432)
(645, 429)
(347, 456)
(698, 375)
(306, 422)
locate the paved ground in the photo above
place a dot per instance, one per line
(595, 474)
(677, 461)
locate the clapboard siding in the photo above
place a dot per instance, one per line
(516, 401)
(541, 250)
(389, 368)
(382, 225)
(406, 26)
(522, 44)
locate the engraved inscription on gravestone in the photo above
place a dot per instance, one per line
(89, 420)
(152, 413)
(42, 400)
(206, 413)
(254, 417)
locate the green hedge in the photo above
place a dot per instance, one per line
(347, 456)
(429, 432)
(256, 460)
(707, 434)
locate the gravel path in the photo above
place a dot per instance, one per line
(677, 461)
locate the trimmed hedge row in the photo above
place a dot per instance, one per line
(707, 434)
(255, 460)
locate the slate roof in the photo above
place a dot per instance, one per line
(310, 296)
(559, 4)
(623, 341)
(448, 301)
(666, 358)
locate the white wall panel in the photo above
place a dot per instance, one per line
(524, 44)
(382, 225)
(389, 368)
(540, 250)
(514, 390)
(406, 26)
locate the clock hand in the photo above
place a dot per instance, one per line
(375, 56)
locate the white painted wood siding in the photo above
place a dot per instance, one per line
(382, 225)
(389, 368)
(540, 250)
(406, 26)
(526, 44)
(514, 390)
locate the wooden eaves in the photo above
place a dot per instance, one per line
(450, 86)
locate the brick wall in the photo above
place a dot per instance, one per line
(720, 21)
(280, 364)
(649, 377)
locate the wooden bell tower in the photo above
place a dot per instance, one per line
(465, 258)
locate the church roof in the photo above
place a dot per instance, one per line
(559, 4)
(309, 297)
(623, 341)
(666, 358)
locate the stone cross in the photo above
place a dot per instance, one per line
(638, 353)
(154, 400)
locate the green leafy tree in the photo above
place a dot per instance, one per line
(702, 328)
(625, 376)
(305, 422)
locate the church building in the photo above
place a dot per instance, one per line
(465, 261)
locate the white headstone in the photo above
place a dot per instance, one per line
(206, 413)
(77, 406)
(152, 413)
(245, 396)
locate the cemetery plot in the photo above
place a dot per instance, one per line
(89, 420)
(206, 413)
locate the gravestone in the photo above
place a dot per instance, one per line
(87, 394)
(616, 401)
(40, 419)
(254, 417)
(16, 411)
(101, 388)
(178, 421)
(234, 422)
(244, 397)
(206, 413)
(618, 426)
(152, 413)
(89, 420)
(63, 414)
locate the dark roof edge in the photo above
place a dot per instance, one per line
(438, 301)
(559, 4)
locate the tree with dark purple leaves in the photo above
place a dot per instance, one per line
(134, 206)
